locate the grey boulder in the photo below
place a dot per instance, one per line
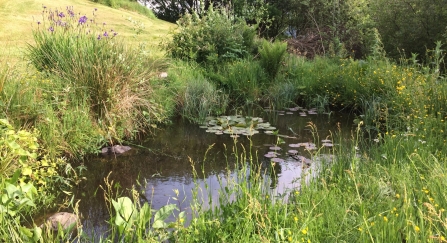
(61, 220)
(115, 149)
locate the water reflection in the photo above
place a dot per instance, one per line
(165, 160)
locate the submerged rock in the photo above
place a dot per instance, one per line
(64, 220)
(116, 149)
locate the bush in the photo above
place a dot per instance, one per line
(272, 56)
(216, 37)
(244, 80)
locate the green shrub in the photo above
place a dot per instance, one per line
(272, 56)
(213, 38)
(244, 80)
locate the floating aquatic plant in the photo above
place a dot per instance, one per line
(236, 125)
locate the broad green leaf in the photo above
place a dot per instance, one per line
(124, 210)
(37, 234)
(27, 171)
(13, 145)
(162, 214)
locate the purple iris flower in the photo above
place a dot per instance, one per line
(61, 14)
(51, 29)
(99, 37)
(70, 12)
(82, 20)
(106, 34)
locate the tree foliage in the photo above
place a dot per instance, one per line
(409, 26)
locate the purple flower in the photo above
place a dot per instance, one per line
(82, 20)
(106, 34)
(61, 14)
(51, 29)
(70, 12)
(96, 9)
(114, 34)
(44, 6)
(99, 37)
(38, 22)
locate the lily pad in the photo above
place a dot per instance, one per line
(270, 155)
(276, 148)
(292, 151)
(278, 160)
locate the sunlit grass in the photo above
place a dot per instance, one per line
(20, 17)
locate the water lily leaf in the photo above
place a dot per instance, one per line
(278, 160)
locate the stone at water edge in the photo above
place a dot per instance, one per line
(116, 149)
(66, 221)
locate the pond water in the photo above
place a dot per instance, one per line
(162, 162)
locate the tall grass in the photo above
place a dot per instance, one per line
(91, 61)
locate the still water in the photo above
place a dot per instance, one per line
(163, 162)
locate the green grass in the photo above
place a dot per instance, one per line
(20, 17)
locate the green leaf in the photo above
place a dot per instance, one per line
(27, 171)
(162, 214)
(13, 145)
(37, 234)
(124, 210)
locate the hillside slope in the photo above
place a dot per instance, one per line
(19, 17)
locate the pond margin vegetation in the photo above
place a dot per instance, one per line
(89, 89)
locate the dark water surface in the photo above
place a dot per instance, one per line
(162, 163)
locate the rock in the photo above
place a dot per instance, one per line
(64, 220)
(116, 149)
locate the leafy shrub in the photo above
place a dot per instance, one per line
(213, 38)
(17, 148)
(271, 57)
(244, 80)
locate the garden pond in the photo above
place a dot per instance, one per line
(162, 163)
